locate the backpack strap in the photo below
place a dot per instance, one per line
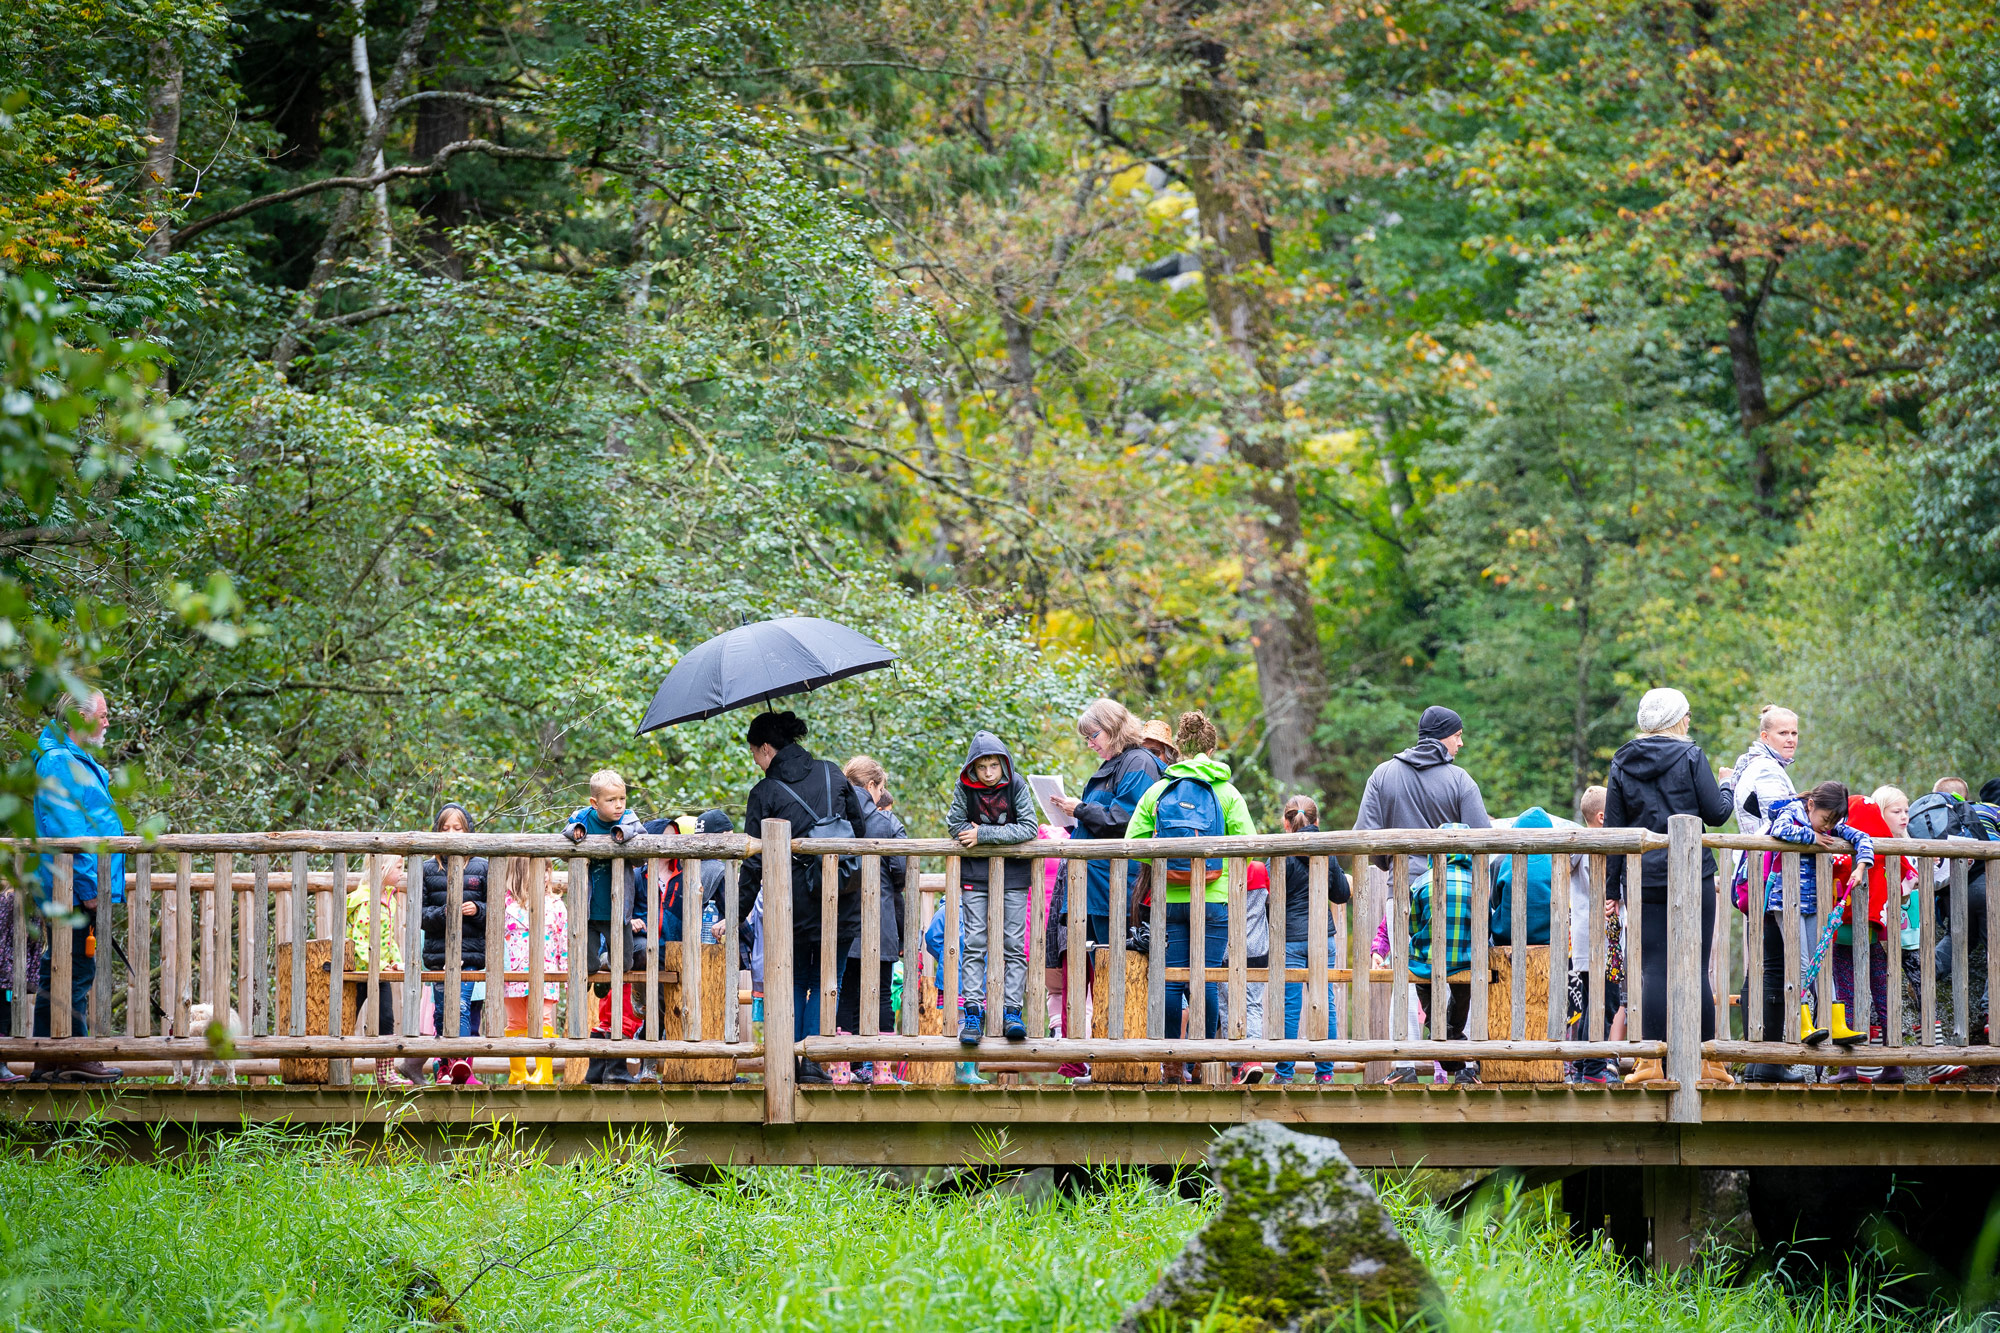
(804, 804)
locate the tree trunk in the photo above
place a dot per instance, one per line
(1291, 668)
(1580, 724)
(364, 98)
(440, 123)
(163, 105)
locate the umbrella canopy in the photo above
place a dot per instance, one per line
(755, 663)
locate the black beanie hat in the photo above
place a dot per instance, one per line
(1437, 723)
(1990, 793)
(714, 821)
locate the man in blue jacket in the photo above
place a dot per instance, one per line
(73, 799)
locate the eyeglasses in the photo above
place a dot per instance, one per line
(1090, 733)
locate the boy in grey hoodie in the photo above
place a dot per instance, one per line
(992, 807)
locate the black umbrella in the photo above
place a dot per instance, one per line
(760, 662)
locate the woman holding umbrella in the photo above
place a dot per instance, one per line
(812, 793)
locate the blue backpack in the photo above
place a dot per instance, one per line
(1541, 874)
(1188, 809)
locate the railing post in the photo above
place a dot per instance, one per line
(1685, 960)
(780, 1075)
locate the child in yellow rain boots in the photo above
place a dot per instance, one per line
(554, 945)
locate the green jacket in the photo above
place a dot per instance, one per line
(1235, 816)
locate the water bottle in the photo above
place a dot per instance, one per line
(710, 918)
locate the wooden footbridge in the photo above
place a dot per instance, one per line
(254, 922)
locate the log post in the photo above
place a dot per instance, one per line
(1684, 967)
(780, 1075)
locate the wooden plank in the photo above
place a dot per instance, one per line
(578, 908)
(1440, 959)
(1927, 1025)
(1961, 963)
(246, 950)
(1829, 894)
(23, 1015)
(911, 901)
(1156, 958)
(693, 998)
(657, 879)
(1194, 1014)
(371, 998)
(500, 872)
(182, 910)
(138, 947)
(780, 1073)
(997, 927)
(60, 969)
(871, 945)
(732, 957)
(1599, 952)
(1399, 946)
(1992, 964)
(954, 933)
(1635, 928)
(1133, 985)
(1718, 961)
(1535, 962)
(332, 931)
(1313, 1012)
(1238, 871)
(295, 903)
(1482, 940)
(615, 946)
(454, 944)
(413, 948)
(538, 922)
(828, 983)
(1517, 938)
(1788, 935)
(1077, 949)
(1363, 910)
(1892, 945)
(1858, 937)
(1222, 1049)
(1558, 947)
(259, 1017)
(1274, 976)
(1685, 966)
(1036, 997)
(1114, 1001)
(1753, 956)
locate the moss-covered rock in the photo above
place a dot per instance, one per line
(1300, 1243)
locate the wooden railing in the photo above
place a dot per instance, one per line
(244, 931)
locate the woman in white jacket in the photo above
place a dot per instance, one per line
(1763, 771)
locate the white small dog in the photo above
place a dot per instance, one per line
(203, 1070)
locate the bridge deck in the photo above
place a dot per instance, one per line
(1027, 1126)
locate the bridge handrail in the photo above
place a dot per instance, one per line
(1936, 849)
(316, 842)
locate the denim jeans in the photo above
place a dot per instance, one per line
(468, 1010)
(1295, 1000)
(82, 973)
(1214, 950)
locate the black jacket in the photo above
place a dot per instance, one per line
(880, 823)
(472, 955)
(1298, 892)
(811, 778)
(1651, 778)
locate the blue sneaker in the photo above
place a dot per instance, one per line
(1016, 1029)
(970, 1021)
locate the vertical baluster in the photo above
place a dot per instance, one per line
(138, 947)
(780, 981)
(948, 978)
(538, 963)
(997, 928)
(1195, 1012)
(1718, 962)
(1559, 945)
(913, 933)
(222, 902)
(1274, 973)
(107, 958)
(1864, 1016)
(1517, 948)
(246, 948)
(1077, 953)
(1156, 958)
(60, 972)
(1599, 950)
(1927, 967)
(1892, 946)
(1440, 956)
(259, 1017)
(1992, 958)
(204, 991)
(1314, 1012)
(614, 945)
(1239, 922)
(413, 947)
(23, 1015)
(500, 873)
(371, 999)
(1361, 917)
(1399, 947)
(828, 985)
(1753, 952)
(297, 904)
(332, 907)
(1788, 926)
(1481, 960)
(871, 945)
(1036, 996)
(657, 879)
(578, 1022)
(183, 950)
(1115, 965)
(1829, 894)
(1635, 943)
(454, 943)
(732, 962)
(1961, 963)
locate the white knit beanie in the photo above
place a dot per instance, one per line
(1661, 709)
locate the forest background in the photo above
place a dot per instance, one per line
(393, 388)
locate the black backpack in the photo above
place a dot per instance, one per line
(832, 824)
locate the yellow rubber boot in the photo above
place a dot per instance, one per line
(1809, 1032)
(545, 1070)
(1844, 1035)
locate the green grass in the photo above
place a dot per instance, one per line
(266, 1233)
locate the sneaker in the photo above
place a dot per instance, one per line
(86, 1071)
(1075, 1070)
(1772, 1073)
(7, 1075)
(1322, 1078)
(1597, 1077)
(620, 1073)
(1949, 1073)
(811, 1071)
(970, 1025)
(1249, 1072)
(1402, 1074)
(1467, 1077)
(1013, 1026)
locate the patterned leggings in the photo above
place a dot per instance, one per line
(1841, 957)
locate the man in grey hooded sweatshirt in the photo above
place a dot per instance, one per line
(1422, 788)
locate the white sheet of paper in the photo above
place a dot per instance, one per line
(1045, 785)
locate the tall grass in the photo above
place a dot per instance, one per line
(269, 1232)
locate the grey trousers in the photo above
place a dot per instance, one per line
(1014, 947)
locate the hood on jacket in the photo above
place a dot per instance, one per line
(792, 765)
(1426, 754)
(984, 744)
(1648, 758)
(1534, 817)
(55, 740)
(1204, 767)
